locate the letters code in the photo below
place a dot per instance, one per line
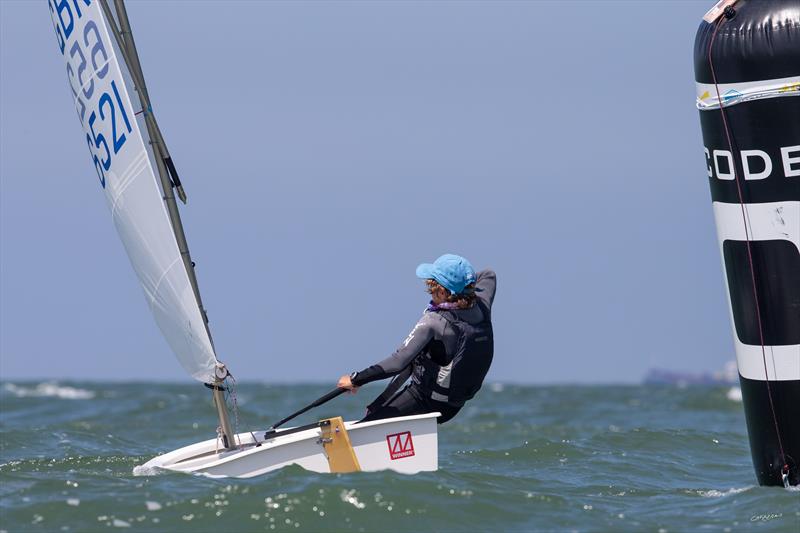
(756, 164)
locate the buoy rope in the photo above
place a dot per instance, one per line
(728, 14)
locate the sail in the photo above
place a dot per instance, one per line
(125, 172)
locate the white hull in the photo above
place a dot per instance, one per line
(407, 444)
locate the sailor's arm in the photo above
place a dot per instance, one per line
(486, 286)
(416, 341)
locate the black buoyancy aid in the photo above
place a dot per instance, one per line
(459, 378)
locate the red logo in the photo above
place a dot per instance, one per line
(400, 445)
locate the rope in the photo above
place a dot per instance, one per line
(729, 12)
(235, 408)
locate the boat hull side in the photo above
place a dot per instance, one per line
(404, 444)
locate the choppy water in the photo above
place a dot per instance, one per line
(517, 458)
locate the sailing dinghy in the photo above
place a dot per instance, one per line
(140, 185)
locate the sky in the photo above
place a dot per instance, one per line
(327, 148)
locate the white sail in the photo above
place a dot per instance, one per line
(128, 179)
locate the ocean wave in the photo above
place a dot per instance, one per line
(523, 459)
(143, 470)
(49, 390)
(713, 493)
(497, 387)
(734, 394)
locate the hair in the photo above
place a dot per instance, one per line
(463, 300)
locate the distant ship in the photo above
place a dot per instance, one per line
(729, 375)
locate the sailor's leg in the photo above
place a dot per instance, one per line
(448, 412)
(403, 404)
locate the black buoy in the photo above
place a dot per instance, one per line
(747, 69)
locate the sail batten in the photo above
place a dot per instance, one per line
(151, 235)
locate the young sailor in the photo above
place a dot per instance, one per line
(447, 354)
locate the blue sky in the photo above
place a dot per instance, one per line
(328, 148)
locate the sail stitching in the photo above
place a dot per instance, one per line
(94, 77)
(127, 178)
(163, 275)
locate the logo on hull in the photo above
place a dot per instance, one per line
(400, 445)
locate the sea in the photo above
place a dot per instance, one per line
(517, 458)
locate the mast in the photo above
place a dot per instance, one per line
(169, 180)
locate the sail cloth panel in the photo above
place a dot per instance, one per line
(128, 179)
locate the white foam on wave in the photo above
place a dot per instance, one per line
(49, 390)
(734, 394)
(350, 496)
(713, 493)
(152, 506)
(144, 470)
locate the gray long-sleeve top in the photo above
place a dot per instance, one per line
(431, 330)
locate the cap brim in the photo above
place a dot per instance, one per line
(425, 271)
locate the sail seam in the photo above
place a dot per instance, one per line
(94, 77)
(163, 275)
(127, 178)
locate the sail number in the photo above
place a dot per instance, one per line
(97, 99)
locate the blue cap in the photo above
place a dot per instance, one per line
(452, 272)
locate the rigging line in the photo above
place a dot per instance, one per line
(745, 221)
(232, 397)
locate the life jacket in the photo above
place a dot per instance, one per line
(459, 377)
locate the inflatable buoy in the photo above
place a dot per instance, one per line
(747, 69)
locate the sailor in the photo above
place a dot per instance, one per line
(448, 352)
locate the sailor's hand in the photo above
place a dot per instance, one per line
(346, 383)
